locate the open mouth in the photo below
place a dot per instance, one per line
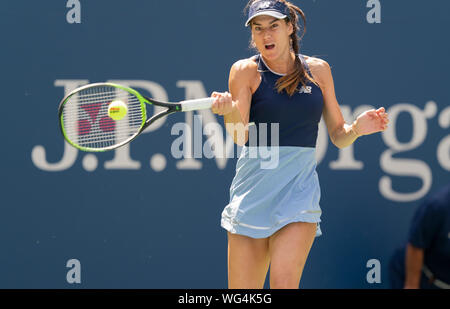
(270, 46)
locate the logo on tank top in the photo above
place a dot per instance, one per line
(307, 89)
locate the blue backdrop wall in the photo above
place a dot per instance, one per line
(142, 217)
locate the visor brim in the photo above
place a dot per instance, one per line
(275, 14)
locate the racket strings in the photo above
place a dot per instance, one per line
(87, 123)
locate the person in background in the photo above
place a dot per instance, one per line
(424, 263)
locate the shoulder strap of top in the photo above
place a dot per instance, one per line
(305, 65)
(261, 65)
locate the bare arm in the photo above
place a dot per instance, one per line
(342, 134)
(235, 107)
(413, 264)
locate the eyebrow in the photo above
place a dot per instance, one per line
(274, 20)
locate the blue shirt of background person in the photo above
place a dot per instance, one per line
(425, 262)
(430, 231)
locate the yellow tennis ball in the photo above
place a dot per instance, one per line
(117, 110)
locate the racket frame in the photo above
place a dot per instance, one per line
(171, 108)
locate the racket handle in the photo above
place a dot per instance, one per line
(192, 105)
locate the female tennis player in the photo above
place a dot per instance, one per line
(273, 215)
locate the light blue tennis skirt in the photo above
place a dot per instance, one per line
(271, 191)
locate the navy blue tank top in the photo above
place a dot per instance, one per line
(298, 116)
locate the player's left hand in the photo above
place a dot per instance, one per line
(371, 121)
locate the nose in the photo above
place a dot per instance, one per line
(267, 34)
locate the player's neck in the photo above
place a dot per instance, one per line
(283, 64)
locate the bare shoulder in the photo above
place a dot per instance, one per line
(245, 72)
(320, 69)
(317, 65)
(245, 67)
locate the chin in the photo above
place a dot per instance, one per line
(270, 54)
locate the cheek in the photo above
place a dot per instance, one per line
(284, 38)
(256, 40)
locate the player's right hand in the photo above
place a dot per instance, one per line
(223, 103)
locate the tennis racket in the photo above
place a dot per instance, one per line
(104, 116)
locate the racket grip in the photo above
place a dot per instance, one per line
(192, 105)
